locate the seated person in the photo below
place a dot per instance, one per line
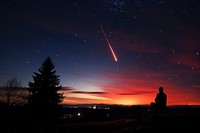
(160, 101)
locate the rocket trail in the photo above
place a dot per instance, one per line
(111, 49)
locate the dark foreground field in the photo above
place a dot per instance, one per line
(173, 120)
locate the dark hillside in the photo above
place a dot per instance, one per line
(116, 119)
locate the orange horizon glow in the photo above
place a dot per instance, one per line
(133, 88)
(145, 98)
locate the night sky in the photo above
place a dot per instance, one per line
(156, 42)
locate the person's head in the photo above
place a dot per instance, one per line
(160, 89)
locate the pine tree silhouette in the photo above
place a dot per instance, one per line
(43, 91)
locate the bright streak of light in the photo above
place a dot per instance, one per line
(111, 49)
(113, 53)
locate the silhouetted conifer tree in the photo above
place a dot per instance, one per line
(43, 91)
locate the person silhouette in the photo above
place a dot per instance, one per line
(160, 101)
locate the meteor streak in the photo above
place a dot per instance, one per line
(111, 49)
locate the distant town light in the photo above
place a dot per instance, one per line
(79, 114)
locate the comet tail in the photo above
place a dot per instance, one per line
(111, 49)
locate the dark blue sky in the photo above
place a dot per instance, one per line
(156, 42)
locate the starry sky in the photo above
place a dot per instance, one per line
(156, 42)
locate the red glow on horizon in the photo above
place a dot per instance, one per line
(135, 88)
(174, 98)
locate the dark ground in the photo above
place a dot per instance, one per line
(122, 120)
